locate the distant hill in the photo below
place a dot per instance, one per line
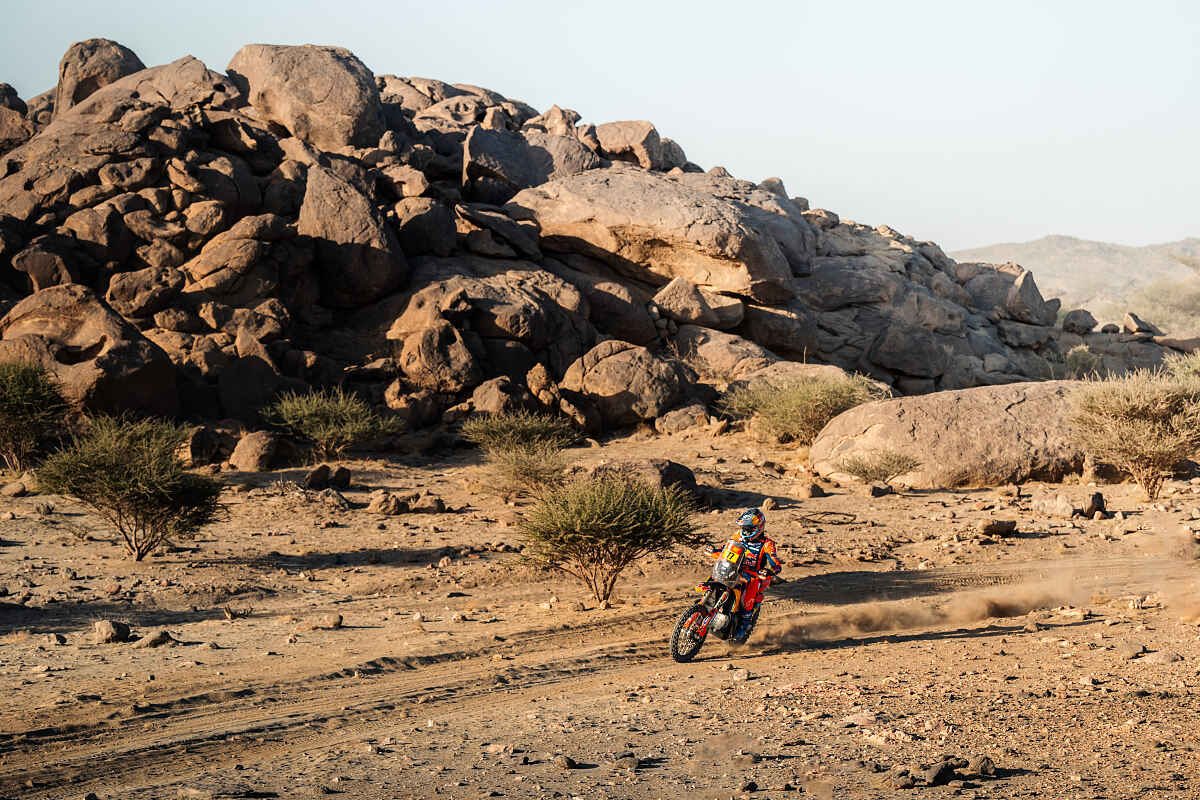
(1090, 274)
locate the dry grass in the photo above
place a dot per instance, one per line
(797, 411)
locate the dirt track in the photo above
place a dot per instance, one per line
(388, 707)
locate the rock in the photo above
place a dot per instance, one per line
(99, 359)
(497, 164)
(340, 478)
(333, 498)
(940, 774)
(1025, 302)
(502, 396)
(323, 96)
(317, 478)
(635, 141)
(722, 357)
(749, 787)
(984, 436)
(1161, 657)
(686, 304)
(879, 489)
(328, 622)
(788, 330)
(14, 489)
(627, 383)
(358, 257)
(982, 765)
(1127, 651)
(91, 65)
(436, 358)
(1053, 504)
(653, 228)
(1134, 324)
(1110, 328)
(658, 472)
(739, 675)
(144, 292)
(1079, 321)
(426, 503)
(681, 419)
(810, 490)
(563, 762)
(109, 632)
(425, 226)
(55, 639)
(386, 503)
(255, 452)
(1095, 505)
(157, 638)
(997, 527)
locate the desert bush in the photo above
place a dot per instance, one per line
(879, 465)
(1143, 423)
(797, 411)
(129, 473)
(1184, 366)
(594, 529)
(1080, 362)
(330, 420)
(31, 409)
(493, 432)
(525, 469)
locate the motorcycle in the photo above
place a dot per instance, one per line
(718, 609)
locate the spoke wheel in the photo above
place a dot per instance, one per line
(686, 640)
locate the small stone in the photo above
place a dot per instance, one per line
(317, 479)
(112, 588)
(810, 490)
(563, 762)
(1127, 650)
(982, 765)
(1162, 657)
(109, 632)
(739, 674)
(879, 489)
(14, 489)
(997, 527)
(156, 639)
(340, 478)
(769, 504)
(55, 639)
(328, 622)
(940, 774)
(749, 786)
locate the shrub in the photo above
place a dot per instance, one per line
(1142, 423)
(31, 408)
(1184, 366)
(331, 420)
(493, 432)
(129, 473)
(879, 465)
(594, 529)
(525, 469)
(1080, 362)
(799, 410)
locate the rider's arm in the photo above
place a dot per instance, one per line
(770, 560)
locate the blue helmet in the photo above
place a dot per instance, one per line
(752, 525)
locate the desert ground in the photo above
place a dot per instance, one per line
(900, 638)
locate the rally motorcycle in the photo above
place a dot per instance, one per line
(718, 609)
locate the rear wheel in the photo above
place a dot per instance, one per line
(686, 640)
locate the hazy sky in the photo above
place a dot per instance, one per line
(967, 123)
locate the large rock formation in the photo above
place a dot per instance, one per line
(984, 436)
(444, 250)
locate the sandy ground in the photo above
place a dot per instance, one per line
(898, 640)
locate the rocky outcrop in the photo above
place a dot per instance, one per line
(442, 250)
(984, 436)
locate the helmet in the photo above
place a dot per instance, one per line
(752, 524)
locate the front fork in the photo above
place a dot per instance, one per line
(716, 604)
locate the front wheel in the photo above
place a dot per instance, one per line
(686, 639)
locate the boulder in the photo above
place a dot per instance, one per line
(323, 96)
(652, 228)
(1079, 321)
(91, 65)
(682, 419)
(1134, 324)
(255, 452)
(425, 226)
(687, 304)
(502, 396)
(635, 141)
(658, 472)
(615, 308)
(101, 361)
(1024, 302)
(498, 164)
(144, 292)
(719, 356)
(436, 358)
(788, 330)
(983, 436)
(627, 383)
(249, 384)
(15, 127)
(106, 631)
(358, 257)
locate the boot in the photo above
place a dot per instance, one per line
(743, 623)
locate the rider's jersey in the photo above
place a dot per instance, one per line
(760, 557)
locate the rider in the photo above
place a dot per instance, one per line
(761, 560)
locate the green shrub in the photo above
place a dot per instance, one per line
(594, 529)
(330, 420)
(129, 473)
(31, 409)
(879, 465)
(525, 469)
(1143, 423)
(493, 432)
(799, 410)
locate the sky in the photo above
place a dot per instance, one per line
(965, 123)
